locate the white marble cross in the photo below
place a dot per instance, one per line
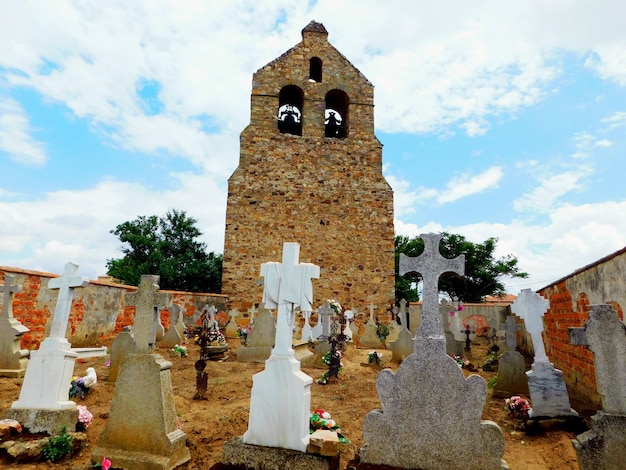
(431, 265)
(325, 312)
(148, 302)
(530, 307)
(8, 289)
(286, 285)
(372, 307)
(66, 284)
(233, 313)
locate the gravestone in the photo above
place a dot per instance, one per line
(252, 311)
(280, 403)
(147, 298)
(452, 328)
(231, 327)
(604, 445)
(323, 345)
(548, 393)
(123, 345)
(369, 339)
(13, 359)
(512, 379)
(348, 315)
(142, 427)
(179, 313)
(394, 327)
(402, 347)
(260, 340)
(44, 404)
(307, 331)
(431, 413)
(173, 335)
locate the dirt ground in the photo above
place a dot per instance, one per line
(208, 423)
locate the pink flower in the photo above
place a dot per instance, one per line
(106, 463)
(460, 307)
(84, 415)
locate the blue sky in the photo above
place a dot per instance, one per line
(497, 120)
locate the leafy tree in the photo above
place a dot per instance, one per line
(168, 247)
(483, 273)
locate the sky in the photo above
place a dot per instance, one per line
(498, 119)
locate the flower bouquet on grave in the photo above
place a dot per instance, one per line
(491, 361)
(328, 359)
(79, 387)
(243, 332)
(461, 361)
(382, 331)
(374, 357)
(179, 350)
(215, 337)
(518, 408)
(321, 419)
(335, 306)
(84, 418)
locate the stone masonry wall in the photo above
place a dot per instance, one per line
(328, 194)
(98, 312)
(602, 282)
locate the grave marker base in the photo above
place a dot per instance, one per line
(237, 455)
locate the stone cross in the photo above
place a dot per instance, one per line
(211, 311)
(404, 314)
(431, 265)
(372, 307)
(252, 311)
(324, 315)
(605, 335)
(8, 289)
(233, 313)
(147, 301)
(510, 328)
(286, 285)
(530, 307)
(66, 284)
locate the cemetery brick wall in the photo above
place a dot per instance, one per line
(98, 312)
(328, 194)
(570, 299)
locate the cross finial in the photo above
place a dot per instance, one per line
(530, 306)
(66, 284)
(147, 301)
(431, 265)
(8, 289)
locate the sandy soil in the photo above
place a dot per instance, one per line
(208, 423)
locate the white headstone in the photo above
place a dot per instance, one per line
(280, 403)
(13, 359)
(548, 393)
(307, 331)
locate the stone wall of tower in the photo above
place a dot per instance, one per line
(327, 194)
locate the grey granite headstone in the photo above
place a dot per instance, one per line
(13, 359)
(548, 393)
(512, 379)
(148, 302)
(431, 413)
(260, 340)
(604, 446)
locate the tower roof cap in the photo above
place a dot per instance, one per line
(314, 27)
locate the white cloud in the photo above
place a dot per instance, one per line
(543, 198)
(465, 185)
(16, 135)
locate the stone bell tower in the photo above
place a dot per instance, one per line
(310, 171)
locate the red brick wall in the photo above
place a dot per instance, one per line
(98, 311)
(599, 283)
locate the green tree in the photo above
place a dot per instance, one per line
(483, 272)
(168, 247)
